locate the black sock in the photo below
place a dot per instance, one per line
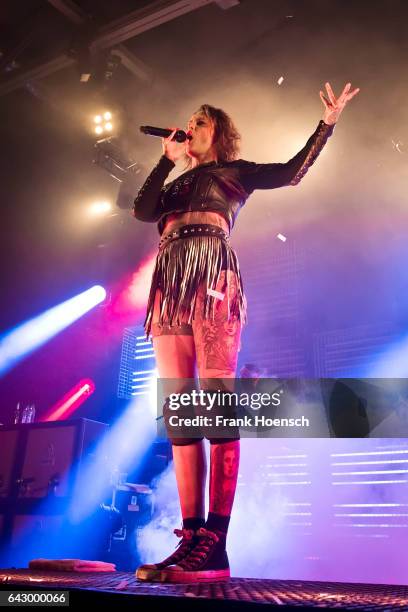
(217, 522)
(194, 522)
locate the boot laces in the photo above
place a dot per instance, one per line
(183, 547)
(201, 551)
(186, 536)
(184, 533)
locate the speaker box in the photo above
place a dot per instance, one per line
(42, 458)
(54, 454)
(41, 465)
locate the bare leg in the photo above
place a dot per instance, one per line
(217, 344)
(191, 471)
(175, 358)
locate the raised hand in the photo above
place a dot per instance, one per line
(333, 106)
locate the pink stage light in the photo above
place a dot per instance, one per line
(71, 401)
(138, 290)
(134, 296)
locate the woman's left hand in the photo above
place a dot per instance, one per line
(334, 107)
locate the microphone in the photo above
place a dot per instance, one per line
(179, 136)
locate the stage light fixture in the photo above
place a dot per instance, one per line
(103, 122)
(112, 156)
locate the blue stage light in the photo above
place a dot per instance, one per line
(18, 343)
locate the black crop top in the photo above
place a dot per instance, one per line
(220, 187)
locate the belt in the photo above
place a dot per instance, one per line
(196, 229)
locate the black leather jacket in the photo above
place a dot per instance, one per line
(221, 187)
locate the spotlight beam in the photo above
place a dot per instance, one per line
(18, 343)
(70, 402)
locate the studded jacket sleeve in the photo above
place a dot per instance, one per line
(269, 176)
(147, 202)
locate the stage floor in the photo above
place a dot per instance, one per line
(120, 588)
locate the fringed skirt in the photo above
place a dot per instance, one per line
(189, 258)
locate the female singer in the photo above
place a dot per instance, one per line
(197, 307)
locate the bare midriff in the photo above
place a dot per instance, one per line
(176, 220)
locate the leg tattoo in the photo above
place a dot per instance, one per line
(217, 339)
(223, 476)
